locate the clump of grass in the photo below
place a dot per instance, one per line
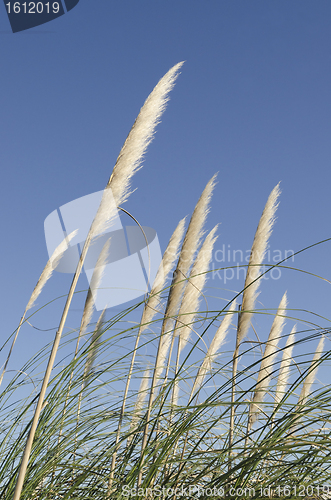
(126, 414)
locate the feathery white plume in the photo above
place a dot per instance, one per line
(284, 371)
(193, 290)
(190, 245)
(44, 277)
(140, 136)
(165, 342)
(310, 378)
(191, 300)
(270, 352)
(105, 215)
(92, 353)
(49, 268)
(259, 247)
(258, 251)
(215, 345)
(94, 286)
(131, 155)
(141, 398)
(169, 257)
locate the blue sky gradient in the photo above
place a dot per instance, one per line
(252, 102)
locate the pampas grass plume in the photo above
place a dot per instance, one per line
(94, 286)
(216, 343)
(92, 353)
(128, 162)
(170, 255)
(258, 251)
(310, 378)
(284, 371)
(49, 268)
(268, 358)
(140, 136)
(194, 287)
(44, 277)
(190, 245)
(141, 398)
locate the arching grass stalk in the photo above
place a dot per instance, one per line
(151, 308)
(44, 277)
(191, 299)
(310, 378)
(86, 318)
(190, 303)
(93, 350)
(91, 355)
(117, 189)
(266, 368)
(284, 371)
(250, 293)
(191, 243)
(206, 365)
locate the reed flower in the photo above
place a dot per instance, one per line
(191, 243)
(311, 376)
(307, 385)
(193, 290)
(216, 343)
(190, 303)
(269, 355)
(169, 257)
(128, 162)
(284, 371)
(94, 286)
(140, 136)
(51, 265)
(258, 251)
(94, 345)
(259, 247)
(139, 405)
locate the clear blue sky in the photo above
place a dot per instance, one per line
(253, 102)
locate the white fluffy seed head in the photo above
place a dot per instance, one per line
(163, 353)
(92, 353)
(217, 342)
(285, 366)
(131, 155)
(267, 363)
(169, 257)
(258, 251)
(106, 213)
(94, 286)
(140, 136)
(190, 245)
(194, 288)
(49, 268)
(195, 232)
(310, 378)
(141, 398)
